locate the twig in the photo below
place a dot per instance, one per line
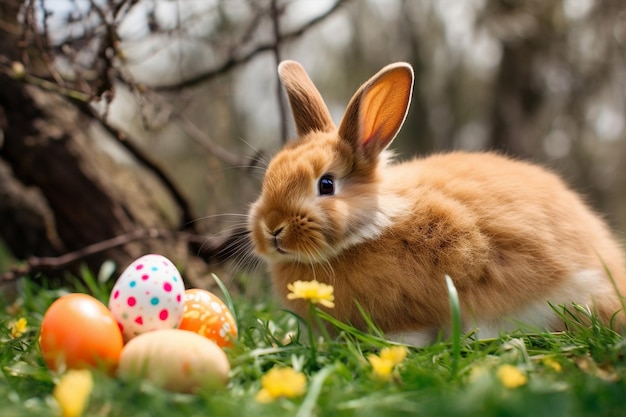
(46, 85)
(110, 40)
(122, 7)
(43, 40)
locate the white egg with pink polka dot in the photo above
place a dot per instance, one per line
(149, 295)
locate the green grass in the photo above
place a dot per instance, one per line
(578, 373)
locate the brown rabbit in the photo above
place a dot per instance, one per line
(511, 235)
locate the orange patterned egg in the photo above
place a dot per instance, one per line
(204, 313)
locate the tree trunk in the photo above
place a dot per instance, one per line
(515, 101)
(59, 190)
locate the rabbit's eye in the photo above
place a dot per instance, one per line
(326, 185)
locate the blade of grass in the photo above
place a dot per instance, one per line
(105, 273)
(93, 286)
(371, 326)
(353, 331)
(620, 296)
(455, 310)
(308, 405)
(260, 352)
(227, 298)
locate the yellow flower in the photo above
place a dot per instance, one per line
(281, 382)
(72, 392)
(389, 358)
(395, 354)
(511, 376)
(552, 364)
(18, 327)
(382, 367)
(314, 291)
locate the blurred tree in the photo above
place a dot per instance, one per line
(559, 92)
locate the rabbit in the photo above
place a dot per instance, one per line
(334, 207)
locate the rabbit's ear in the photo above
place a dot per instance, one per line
(377, 110)
(309, 110)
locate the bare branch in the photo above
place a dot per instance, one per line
(202, 138)
(210, 249)
(282, 111)
(234, 60)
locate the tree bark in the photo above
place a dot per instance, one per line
(60, 191)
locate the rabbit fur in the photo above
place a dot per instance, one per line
(511, 235)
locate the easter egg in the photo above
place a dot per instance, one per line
(204, 313)
(78, 331)
(147, 296)
(176, 360)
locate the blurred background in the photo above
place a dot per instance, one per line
(135, 126)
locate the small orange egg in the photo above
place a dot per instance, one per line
(78, 331)
(204, 313)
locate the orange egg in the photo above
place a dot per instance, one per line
(204, 313)
(78, 331)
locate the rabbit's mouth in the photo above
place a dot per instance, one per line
(278, 248)
(299, 240)
(276, 237)
(282, 249)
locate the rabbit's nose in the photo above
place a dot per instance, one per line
(277, 231)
